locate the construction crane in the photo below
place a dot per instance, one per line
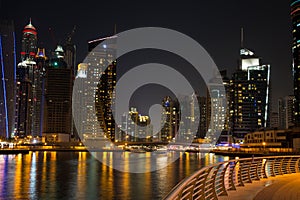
(70, 35)
(51, 32)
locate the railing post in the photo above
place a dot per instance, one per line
(272, 168)
(223, 188)
(199, 192)
(231, 174)
(278, 166)
(240, 178)
(211, 183)
(257, 168)
(264, 169)
(288, 166)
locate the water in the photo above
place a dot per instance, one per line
(78, 175)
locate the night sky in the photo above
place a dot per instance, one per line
(214, 24)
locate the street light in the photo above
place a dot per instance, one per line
(264, 145)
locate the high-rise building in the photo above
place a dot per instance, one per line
(250, 96)
(216, 107)
(39, 100)
(189, 106)
(286, 112)
(295, 15)
(102, 61)
(8, 78)
(29, 87)
(170, 120)
(134, 127)
(274, 120)
(84, 92)
(58, 99)
(203, 117)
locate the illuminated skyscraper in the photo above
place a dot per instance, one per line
(29, 79)
(8, 78)
(188, 108)
(58, 99)
(203, 117)
(295, 15)
(84, 98)
(285, 112)
(134, 127)
(217, 106)
(102, 63)
(170, 120)
(250, 95)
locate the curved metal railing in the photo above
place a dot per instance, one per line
(215, 180)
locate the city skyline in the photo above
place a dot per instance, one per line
(219, 33)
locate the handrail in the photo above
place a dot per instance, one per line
(215, 180)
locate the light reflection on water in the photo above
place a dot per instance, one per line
(78, 175)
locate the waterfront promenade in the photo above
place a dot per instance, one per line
(284, 187)
(268, 177)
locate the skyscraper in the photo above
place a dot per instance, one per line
(216, 106)
(170, 121)
(189, 119)
(203, 117)
(295, 15)
(102, 61)
(134, 127)
(58, 99)
(29, 77)
(250, 95)
(8, 78)
(285, 112)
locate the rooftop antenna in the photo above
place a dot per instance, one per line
(115, 29)
(242, 37)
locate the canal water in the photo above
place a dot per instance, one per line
(79, 175)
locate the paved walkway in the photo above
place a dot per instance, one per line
(286, 187)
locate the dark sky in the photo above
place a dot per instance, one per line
(214, 24)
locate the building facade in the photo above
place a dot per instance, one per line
(101, 59)
(286, 112)
(170, 121)
(8, 78)
(217, 105)
(58, 99)
(250, 96)
(29, 86)
(295, 15)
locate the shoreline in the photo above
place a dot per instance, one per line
(250, 154)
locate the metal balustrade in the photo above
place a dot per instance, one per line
(215, 180)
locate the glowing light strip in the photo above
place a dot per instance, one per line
(15, 73)
(295, 2)
(100, 39)
(42, 106)
(295, 11)
(4, 88)
(267, 97)
(15, 59)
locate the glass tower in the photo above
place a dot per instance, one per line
(295, 15)
(8, 78)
